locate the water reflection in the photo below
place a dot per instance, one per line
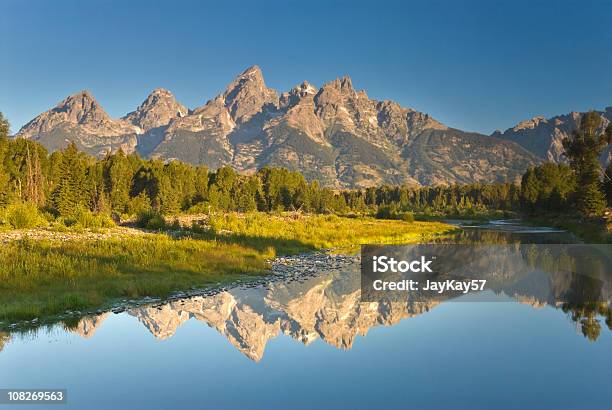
(4, 339)
(328, 304)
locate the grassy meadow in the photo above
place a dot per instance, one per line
(44, 277)
(295, 233)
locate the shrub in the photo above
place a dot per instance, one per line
(391, 212)
(386, 212)
(60, 225)
(151, 220)
(408, 217)
(84, 218)
(199, 208)
(199, 226)
(139, 204)
(23, 216)
(175, 225)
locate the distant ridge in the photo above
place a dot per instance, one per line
(543, 136)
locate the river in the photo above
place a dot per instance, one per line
(309, 341)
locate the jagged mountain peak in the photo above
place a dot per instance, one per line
(161, 91)
(83, 95)
(79, 118)
(77, 109)
(250, 79)
(336, 95)
(157, 110)
(342, 85)
(248, 94)
(297, 93)
(252, 72)
(305, 88)
(531, 123)
(343, 82)
(346, 82)
(82, 108)
(157, 97)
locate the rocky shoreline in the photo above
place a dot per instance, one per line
(295, 268)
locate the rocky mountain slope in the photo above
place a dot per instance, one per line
(543, 136)
(80, 119)
(334, 134)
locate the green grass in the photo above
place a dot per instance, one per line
(41, 278)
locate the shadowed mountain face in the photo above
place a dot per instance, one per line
(544, 137)
(334, 134)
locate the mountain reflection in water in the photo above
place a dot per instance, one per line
(328, 304)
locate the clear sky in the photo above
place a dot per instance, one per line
(474, 65)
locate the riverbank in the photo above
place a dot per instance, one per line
(594, 230)
(590, 230)
(44, 273)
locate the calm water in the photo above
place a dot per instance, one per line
(313, 344)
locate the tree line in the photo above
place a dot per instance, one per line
(65, 181)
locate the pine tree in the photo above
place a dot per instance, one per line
(35, 192)
(583, 149)
(201, 184)
(117, 181)
(591, 200)
(169, 197)
(70, 193)
(529, 190)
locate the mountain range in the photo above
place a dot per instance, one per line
(334, 134)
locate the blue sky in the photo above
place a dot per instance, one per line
(474, 65)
